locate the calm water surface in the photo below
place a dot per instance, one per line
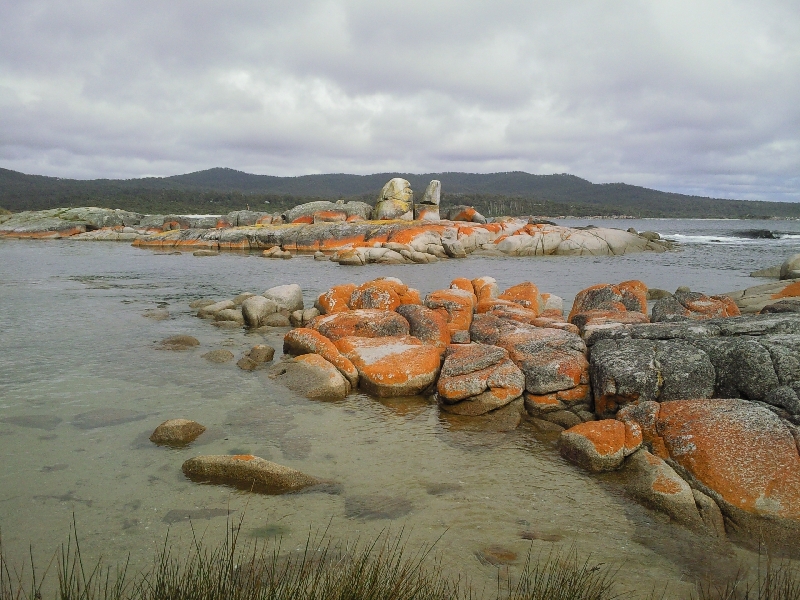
(74, 341)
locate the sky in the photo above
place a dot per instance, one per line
(695, 96)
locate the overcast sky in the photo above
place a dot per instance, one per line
(693, 96)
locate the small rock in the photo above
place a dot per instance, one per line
(208, 312)
(230, 314)
(218, 356)
(178, 342)
(202, 303)
(205, 253)
(496, 556)
(276, 320)
(157, 314)
(320, 255)
(655, 483)
(596, 446)
(247, 472)
(261, 353)
(176, 432)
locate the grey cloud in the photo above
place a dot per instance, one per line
(685, 96)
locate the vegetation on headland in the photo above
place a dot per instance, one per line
(381, 570)
(218, 191)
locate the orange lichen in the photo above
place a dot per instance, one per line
(525, 294)
(790, 291)
(244, 457)
(665, 485)
(607, 436)
(336, 299)
(635, 290)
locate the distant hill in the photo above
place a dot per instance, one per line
(220, 190)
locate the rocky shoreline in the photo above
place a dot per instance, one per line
(693, 404)
(395, 230)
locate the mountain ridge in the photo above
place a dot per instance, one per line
(513, 192)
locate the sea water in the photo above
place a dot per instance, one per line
(82, 387)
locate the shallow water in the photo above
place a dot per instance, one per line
(81, 388)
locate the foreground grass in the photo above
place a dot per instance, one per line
(381, 570)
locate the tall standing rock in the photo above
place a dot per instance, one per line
(428, 208)
(395, 201)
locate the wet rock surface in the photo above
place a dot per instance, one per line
(176, 432)
(247, 472)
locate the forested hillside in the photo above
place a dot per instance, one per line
(515, 193)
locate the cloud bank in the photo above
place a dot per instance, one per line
(687, 96)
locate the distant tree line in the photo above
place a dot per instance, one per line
(218, 191)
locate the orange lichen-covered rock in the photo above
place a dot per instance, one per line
(429, 326)
(458, 304)
(392, 366)
(336, 299)
(595, 445)
(383, 293)
(575, 398)
(634, 295)
(525, 294)
(745, 454)
(552, 359)
(367, 322)
(485, 288)
(307, 341)
(603, 296)
(477, 378)
(654, 482)
(462, 283)
(588, 318)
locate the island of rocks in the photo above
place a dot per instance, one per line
(395, 230)
(694, 404)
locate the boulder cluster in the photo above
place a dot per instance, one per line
(697, 407)
(396, 230)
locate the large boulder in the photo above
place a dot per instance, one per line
(630, 371)
(289, 297)
(457, 304)
(477, 378)
(428, 208)
(395, 201)
(551, 359)
(392, 366)
(790, 269)
(247, 472)
(308, 341)
(429, 326)
(525, 294)
(311, 376)
(737, 452)
(366, 322)
(685, 305)
(384, 293)
(255, 309)
(336, 299)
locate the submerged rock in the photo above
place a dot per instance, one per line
(176, 432)
(178, 342)
(247, 472)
